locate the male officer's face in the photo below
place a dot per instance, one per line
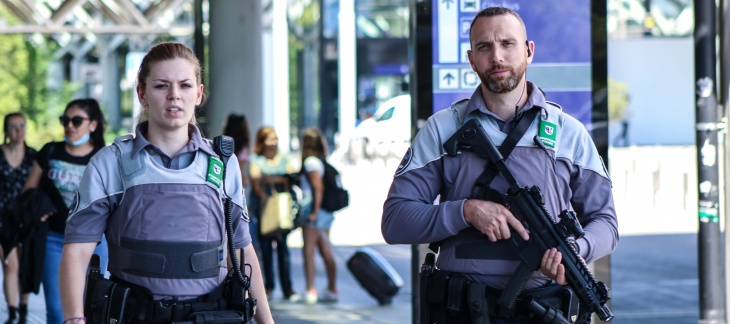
(498, 52)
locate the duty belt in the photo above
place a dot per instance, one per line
(144, 308)
(451, 297)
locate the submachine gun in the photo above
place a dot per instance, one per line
(528, 206)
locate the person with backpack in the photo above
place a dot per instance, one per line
(316, 221)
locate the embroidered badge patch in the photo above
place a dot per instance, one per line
(215, 171)
(548, 133)
(404, 162)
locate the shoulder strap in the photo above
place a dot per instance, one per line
(481, 188)
(127, 165)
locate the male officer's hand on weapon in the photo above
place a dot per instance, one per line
(497, 223)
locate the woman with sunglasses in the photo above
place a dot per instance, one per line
(57, 173)
(16, 160)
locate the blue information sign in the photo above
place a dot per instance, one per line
(561, 31)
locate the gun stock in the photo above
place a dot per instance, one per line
(527, 205)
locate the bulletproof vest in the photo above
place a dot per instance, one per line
(168, 230)
(470, 245)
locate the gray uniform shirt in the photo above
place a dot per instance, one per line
(169, 199)
(568, 170)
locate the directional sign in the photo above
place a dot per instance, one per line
(469, 6)
(464, 48)
(562, 61)
(448, 79)
(448, 18)
(469, 79)
(464, 27)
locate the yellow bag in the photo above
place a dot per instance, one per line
(277, 214)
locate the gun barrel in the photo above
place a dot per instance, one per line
(604, 313)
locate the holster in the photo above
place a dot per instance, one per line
(239, 296)
(427, 269)
(104, 300)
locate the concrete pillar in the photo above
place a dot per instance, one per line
(275, 48)
(235, 63)
(348, 72)
(110, 78)
(279, 84)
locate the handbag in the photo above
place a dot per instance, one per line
(276, 217)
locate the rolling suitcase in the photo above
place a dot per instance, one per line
(375, 274)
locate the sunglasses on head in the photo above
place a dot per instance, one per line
(76, 120)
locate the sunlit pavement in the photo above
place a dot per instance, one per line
(355, 305)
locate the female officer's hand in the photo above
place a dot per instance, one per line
(493, 220)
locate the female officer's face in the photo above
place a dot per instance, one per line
(170, 95)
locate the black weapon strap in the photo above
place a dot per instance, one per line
(481, 189)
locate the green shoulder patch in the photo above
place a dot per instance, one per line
(215, 171)
(548, 133)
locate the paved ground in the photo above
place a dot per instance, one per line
(355, 305)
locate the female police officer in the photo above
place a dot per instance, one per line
(159, 198)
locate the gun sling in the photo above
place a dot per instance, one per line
(481, 188)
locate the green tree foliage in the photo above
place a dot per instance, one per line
(303, 20)
(24, 84)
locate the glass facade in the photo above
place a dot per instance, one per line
(642, 18)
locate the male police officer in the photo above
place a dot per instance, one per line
(554, 153)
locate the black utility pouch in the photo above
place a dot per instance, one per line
(239, 297)
(437, 297)
(217, 317)
(104, 300)
(437, 287)
(117, 303)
